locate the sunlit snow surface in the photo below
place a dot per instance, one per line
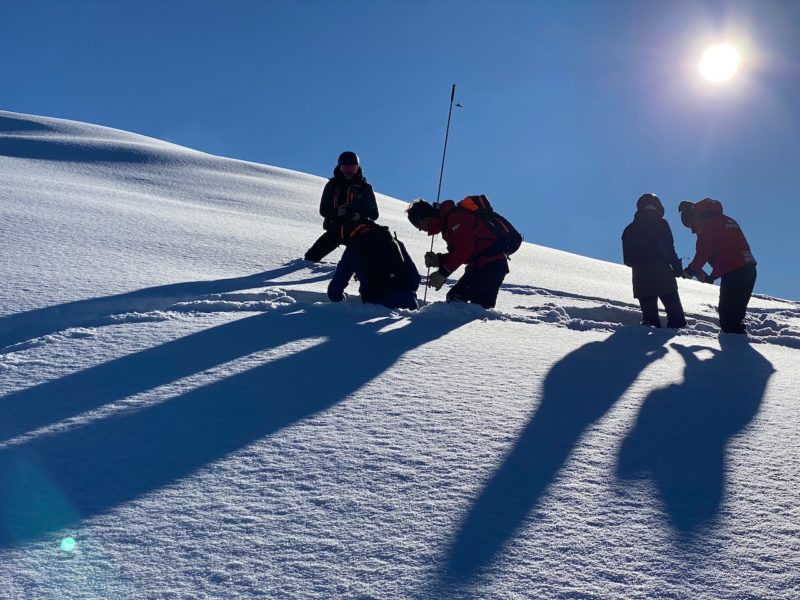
(179, 399)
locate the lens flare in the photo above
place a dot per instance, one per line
(719, 63)
(68, 544)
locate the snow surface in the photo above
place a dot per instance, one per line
(178, 396)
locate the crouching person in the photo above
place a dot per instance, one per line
(649, 250)
(470, 241)
(382, 266)
(721, 243)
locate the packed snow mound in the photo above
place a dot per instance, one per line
(181, 406)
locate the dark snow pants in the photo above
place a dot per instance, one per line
(480, 285)
(735, 290)
(327, 243)
(672, 304)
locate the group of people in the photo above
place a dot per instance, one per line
(648, 248)
(388, 276)
(380, 262)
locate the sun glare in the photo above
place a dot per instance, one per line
(719, 62)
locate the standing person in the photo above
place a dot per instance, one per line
(649, 250)
(380, 262)
(470, 241)
(346, 198)
(721, 243)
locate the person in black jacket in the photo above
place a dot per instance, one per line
(346, 200)
(385, 272)
(648, 248)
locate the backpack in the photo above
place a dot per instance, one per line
(386, 265)
(508, 239)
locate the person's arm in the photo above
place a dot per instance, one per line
(666, 246)
(626, 252)
(460, 242)
(341, 277)
(326, 202)
(703, 250)
(369, 208)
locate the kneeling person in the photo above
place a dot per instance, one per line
(380, 262)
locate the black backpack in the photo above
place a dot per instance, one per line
(508, 239)
(386, 265)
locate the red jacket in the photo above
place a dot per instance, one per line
(720, 241)
(466, 237)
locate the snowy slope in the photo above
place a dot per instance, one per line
(178, 397)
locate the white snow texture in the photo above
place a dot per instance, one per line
(178, 396)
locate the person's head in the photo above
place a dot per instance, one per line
(686, 209)
(650, 202)
(423, 215)
(348, 164)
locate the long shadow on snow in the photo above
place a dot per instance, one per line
(35, 323)
(576, 393)
(53, 401)
(56, 480)
(682, 431)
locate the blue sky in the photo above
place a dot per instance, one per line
(571, 109)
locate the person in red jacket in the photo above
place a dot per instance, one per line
(721, 243)
(469, 242)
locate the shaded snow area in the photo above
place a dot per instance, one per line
(178, 397)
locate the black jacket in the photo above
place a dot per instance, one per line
(649, 249)
(354, 193)
(381, 263)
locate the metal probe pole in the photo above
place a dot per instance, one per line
(441, 174)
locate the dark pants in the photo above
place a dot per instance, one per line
(734, 294)
(672, 304)
(480, 285)
(327, 243)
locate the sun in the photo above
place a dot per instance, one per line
(719, 63)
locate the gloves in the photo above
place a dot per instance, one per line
(700, 275)
(342, 210)
(432, 260)
(436, 280)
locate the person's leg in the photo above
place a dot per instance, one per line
(479, 285)
(491, 279)
(735, 291)
(672, 304)
(649, 308)
(462, 290)
(327, 243)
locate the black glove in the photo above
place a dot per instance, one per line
(432, 260)
(437, 280)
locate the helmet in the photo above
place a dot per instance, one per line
(348, 158)
(650, 200)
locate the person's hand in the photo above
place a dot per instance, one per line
(356, 216)
(342, 210)
(432, 260)
(687, 274)
(436, 280)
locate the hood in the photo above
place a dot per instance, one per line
(702, 210)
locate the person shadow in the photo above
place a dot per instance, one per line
(83, 391)
(51, 481)
(682, 431)
(576, 393)
(24, 326)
